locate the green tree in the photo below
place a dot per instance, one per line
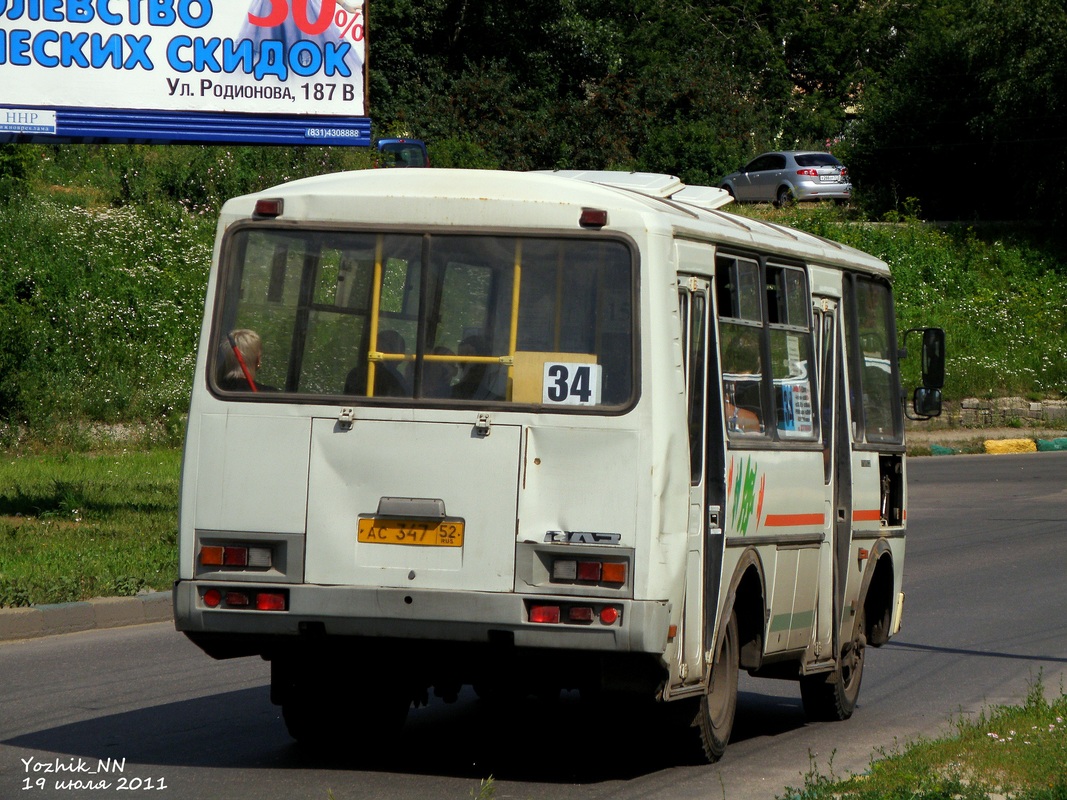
(969, 118)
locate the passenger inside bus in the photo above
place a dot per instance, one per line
(242, 354)
(437, 376)
(475, 379)
(388, 379)
(741, 368)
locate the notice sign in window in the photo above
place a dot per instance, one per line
(294, 58)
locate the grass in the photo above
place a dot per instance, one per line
(80, 525)
(1014, 752)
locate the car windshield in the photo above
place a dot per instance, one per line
(403, 154)
(817, 160)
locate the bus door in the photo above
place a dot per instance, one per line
(705, 540)
(837, 468)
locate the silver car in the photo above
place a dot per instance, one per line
(789, 176)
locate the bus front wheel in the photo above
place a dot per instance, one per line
(833, 697)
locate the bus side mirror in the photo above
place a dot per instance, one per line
(933, 359)
(927, 402)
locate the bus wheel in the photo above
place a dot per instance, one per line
(833, 697)
(715, 712)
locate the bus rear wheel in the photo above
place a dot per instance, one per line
(831, 698)
(714, 719)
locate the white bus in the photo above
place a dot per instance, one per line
(535, 432)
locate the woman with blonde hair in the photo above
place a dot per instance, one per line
(242, 354)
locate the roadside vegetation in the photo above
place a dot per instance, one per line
(75, 525)
(1007, 752)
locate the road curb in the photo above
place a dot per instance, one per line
(1002, 446)
(101, 612)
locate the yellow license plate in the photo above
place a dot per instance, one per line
(430, 533)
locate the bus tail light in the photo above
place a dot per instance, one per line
(570, 570)
(593, 218)
(614, 572)
(269, 208)
(235, 556)
(258, 599)
(589, 571)
(579, 614)
(270, 601)
(544, 614)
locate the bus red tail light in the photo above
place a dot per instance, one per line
(242, 599)
(589, 571)
(544, 614)
(580, 614)
(609, 615)
(270, 601)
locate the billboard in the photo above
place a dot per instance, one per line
(241, 71)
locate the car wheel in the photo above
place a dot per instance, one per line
(729, 190)
(785, 197)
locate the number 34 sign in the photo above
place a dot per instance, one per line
(571, 384)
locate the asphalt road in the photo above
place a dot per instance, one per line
(986, 616)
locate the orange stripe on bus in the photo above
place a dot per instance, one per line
(791, 520)
(867, 516)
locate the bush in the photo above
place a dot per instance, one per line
(16, 169)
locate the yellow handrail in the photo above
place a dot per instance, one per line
(513, 337)
(376, 297)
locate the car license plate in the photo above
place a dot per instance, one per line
(428, 533)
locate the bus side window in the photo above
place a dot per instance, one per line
(792, 364)
(738, 293)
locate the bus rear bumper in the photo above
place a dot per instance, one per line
(427, 615)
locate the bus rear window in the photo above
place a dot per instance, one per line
(406, 317)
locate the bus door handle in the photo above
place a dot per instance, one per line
(714, 528)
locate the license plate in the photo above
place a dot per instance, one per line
(428, 533)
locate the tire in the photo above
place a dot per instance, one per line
(713, 720)
(784, 198)
(833, 697)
